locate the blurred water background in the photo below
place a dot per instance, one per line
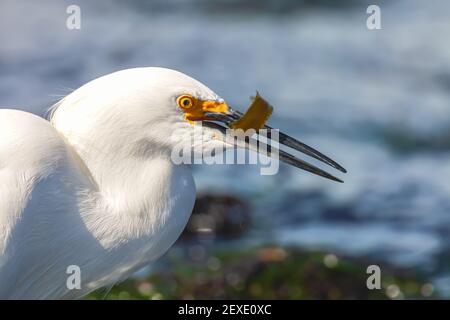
(377, 101)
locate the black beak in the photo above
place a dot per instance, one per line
(284, 139)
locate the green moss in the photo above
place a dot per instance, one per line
(265, 273)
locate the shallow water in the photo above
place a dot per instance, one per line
(376, 101)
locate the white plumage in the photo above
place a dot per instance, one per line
(94, 187)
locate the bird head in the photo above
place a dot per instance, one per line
(144, 112)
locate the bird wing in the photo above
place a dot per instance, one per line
(53, 218)
(40, 188)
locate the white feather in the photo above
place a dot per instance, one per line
(95, 186)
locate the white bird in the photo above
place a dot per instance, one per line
(95, 186)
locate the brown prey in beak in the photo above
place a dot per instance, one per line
(215, 119)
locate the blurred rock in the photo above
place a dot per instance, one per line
(218, 215)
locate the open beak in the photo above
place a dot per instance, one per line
(216, 120)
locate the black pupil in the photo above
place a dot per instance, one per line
(186, 102)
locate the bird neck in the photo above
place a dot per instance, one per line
(131, 177)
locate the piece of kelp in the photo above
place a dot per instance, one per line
(256, 115)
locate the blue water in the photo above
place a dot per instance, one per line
(376, 101)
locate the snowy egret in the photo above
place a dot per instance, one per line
(94, 187)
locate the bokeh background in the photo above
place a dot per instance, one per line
(376, 101)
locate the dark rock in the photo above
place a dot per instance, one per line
(218, 215)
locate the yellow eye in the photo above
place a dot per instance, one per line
(185, 102)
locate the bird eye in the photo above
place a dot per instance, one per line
(185, 101)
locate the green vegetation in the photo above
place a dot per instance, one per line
(265, 273)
